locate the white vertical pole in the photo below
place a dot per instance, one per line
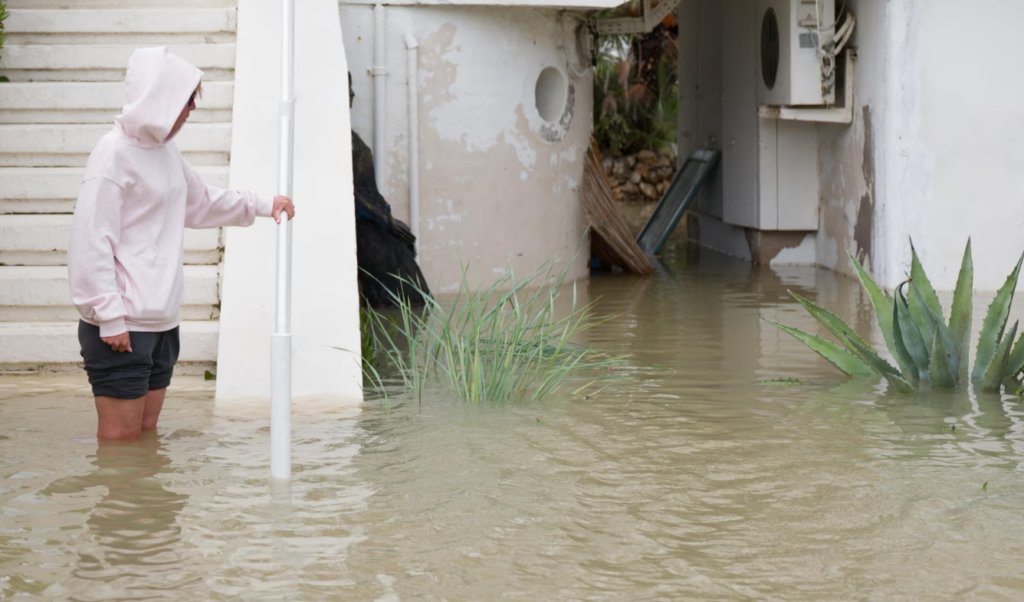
(281, 339)
(412, 65)
(379, 71)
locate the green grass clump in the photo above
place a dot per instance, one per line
(3, 34)
(505, 342)
(925, 347)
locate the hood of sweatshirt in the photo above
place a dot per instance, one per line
(157, 86)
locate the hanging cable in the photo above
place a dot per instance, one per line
(828, 51)
(847, 32)
(824, 50)
(839, 15)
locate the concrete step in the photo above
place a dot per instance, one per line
(40, 293)
(43, 240)
(66, 60)
(119, 4)
(95, 102)
(48, 345)
(54, 189)
(69, 145)
(133, 18)
(104, 62)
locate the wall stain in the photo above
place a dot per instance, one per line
(765, 245)
(554, 132)
(862, 230)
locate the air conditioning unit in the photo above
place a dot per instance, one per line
(795, 52)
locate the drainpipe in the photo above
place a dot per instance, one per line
(379, 72)
(414, 137)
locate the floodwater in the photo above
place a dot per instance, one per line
(730, 463)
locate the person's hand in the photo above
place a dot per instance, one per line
(119, 342)
(282, 203)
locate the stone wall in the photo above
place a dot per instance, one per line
(639, 180)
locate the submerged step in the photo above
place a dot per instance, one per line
(31, 345)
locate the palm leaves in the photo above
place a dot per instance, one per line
(635, 92)
(924, 346)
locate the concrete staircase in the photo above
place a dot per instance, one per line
(66, 68)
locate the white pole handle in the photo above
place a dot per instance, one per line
(281, 340)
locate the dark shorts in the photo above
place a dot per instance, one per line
(125, 375)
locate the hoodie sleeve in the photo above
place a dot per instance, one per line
(95, 233)
(211, 207)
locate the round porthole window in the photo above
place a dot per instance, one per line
(550, 94)
(769, 48)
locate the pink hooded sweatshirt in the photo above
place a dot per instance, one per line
(138, 196)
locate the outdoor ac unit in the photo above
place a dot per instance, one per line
(793, 34)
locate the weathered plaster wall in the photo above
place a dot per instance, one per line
(933, 154)
(498, 184)
(849, 202)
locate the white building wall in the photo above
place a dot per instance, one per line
(931, 154)
(952, 158)
(498, 184)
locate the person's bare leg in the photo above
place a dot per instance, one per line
(119, 418)
(151, 413)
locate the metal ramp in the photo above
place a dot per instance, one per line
(676, 200)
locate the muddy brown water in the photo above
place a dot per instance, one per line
(729, 463)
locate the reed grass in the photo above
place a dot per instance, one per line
(504, 342)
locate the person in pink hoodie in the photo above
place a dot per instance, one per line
(127, 242)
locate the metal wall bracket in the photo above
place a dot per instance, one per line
(653, 13)
(838, 113)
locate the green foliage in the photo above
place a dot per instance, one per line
(3, 33)
(993, 324)
(498, 344)
(635, 93)
(368, 344)
(847, 362)
(926, 348)
(781, 381)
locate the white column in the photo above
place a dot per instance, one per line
(324, 302)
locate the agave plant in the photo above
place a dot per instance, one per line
(926, 348)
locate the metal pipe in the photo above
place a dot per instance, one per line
(379, 72)
(281, 339)
(414, 137)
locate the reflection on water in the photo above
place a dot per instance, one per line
(133, 534)
(731, 463)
